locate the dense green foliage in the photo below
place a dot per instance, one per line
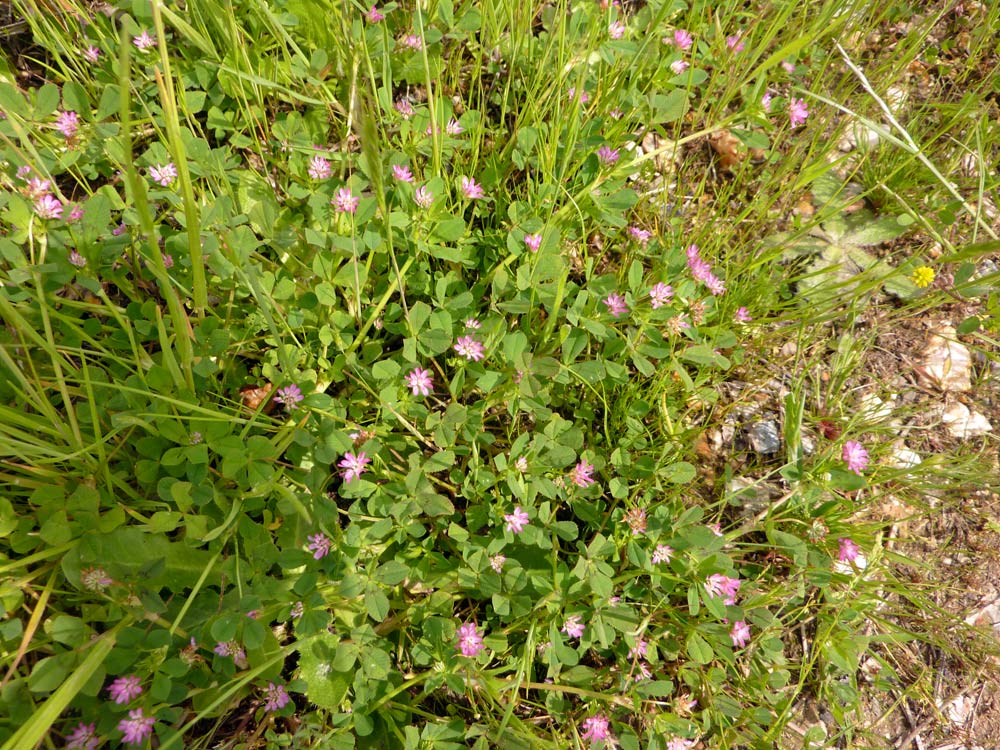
(355, 354)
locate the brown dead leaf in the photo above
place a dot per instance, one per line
(729, 148)
(703, 448)
(253, 396)
(804, 207)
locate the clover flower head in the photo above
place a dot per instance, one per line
(607, 155)
(76, 259)
(412, 41)
(643, 672)
(516, 521)
(344, 201)
(37, 187)
(373, 15)
(533, 241)
(189, 654)
(616, 30)
(639, 650)
(68, 123)
(679, 66)
(404, 108)
(582, 473)
(470, 642)
(95, 579)
(319, 168)
(48, 207)
(353, 465)
(636, 520)
(573, 627)
(702, 271)
(163, 174)
(855, 456)
(319, 545)
(290, 396)
(144, 41)
(423, 197)
(848, 551)
(596, 730)
(471, 189)
(468, 347)
(419, 381)
(740, 634)
(84, 737)
(660, 295)
(662, 554)
(402, 173)
(735, 42)
(718, 585)
(677, 324)
(136, 728)
(92, 54)
(683, 39)
(277, 697)
(125, 688)
(616, 305)
(642, 236)
(797, 112)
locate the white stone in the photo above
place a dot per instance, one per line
(988, 616)
(958, 710)
(896, 97)
(904, 458)
(858, 135)
(963, 423)
(874, 409)
(946, 363)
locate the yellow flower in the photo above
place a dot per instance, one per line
(923, 276)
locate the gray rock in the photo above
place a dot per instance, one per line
(764, 437)
(748, 495)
